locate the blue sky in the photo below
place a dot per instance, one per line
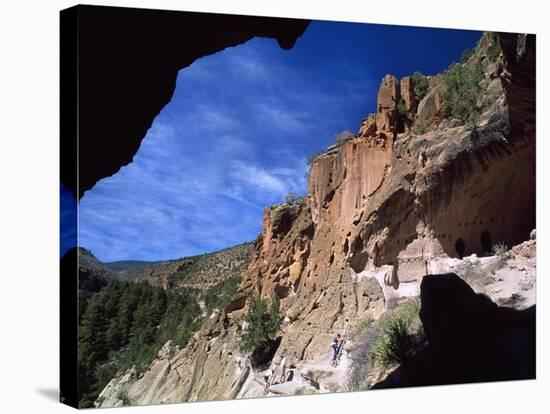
(235, 136)
(68, 220)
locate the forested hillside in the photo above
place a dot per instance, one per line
(123, 324)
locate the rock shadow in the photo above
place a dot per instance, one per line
(469, 338)
(262, 356)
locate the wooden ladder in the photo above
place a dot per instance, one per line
(269, 383)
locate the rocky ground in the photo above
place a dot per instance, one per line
(508, 279)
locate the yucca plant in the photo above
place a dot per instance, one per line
(399, 330)
(500, 249)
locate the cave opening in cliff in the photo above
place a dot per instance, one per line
(262, 356)
(486, 241)
(460, 248)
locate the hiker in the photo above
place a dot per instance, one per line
(267, 377)
(282, 367)
(335, 345)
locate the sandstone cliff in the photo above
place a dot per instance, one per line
(383, 210)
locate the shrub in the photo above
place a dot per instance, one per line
(402, 112)
(293, 198)
(494, 49)
(399, 329)
(395, 344)
(363, 325)
(500, 249)
(219, 295)
(342, 137)
(420, 85)
(466, 55)
(263, 321)
(395, 337)
(462, 92)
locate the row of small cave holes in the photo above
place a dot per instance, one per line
(408, 240)
(437, 236)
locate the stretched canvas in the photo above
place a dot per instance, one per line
(255, 206)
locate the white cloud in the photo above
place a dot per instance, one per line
(249, 65)
(267, 184)
(277, 117)
(258, 178)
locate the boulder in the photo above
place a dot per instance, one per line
(430, 106)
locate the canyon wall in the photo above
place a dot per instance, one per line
(383, 209)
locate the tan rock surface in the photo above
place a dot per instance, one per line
(368, 127)
(388, 98)
(430, 106)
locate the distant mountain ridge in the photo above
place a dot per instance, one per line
(127, 264)
(200, 272)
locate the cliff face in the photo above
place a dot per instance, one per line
(383, 209)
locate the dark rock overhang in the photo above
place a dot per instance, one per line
(127, 62)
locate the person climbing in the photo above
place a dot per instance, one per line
(335, 345)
